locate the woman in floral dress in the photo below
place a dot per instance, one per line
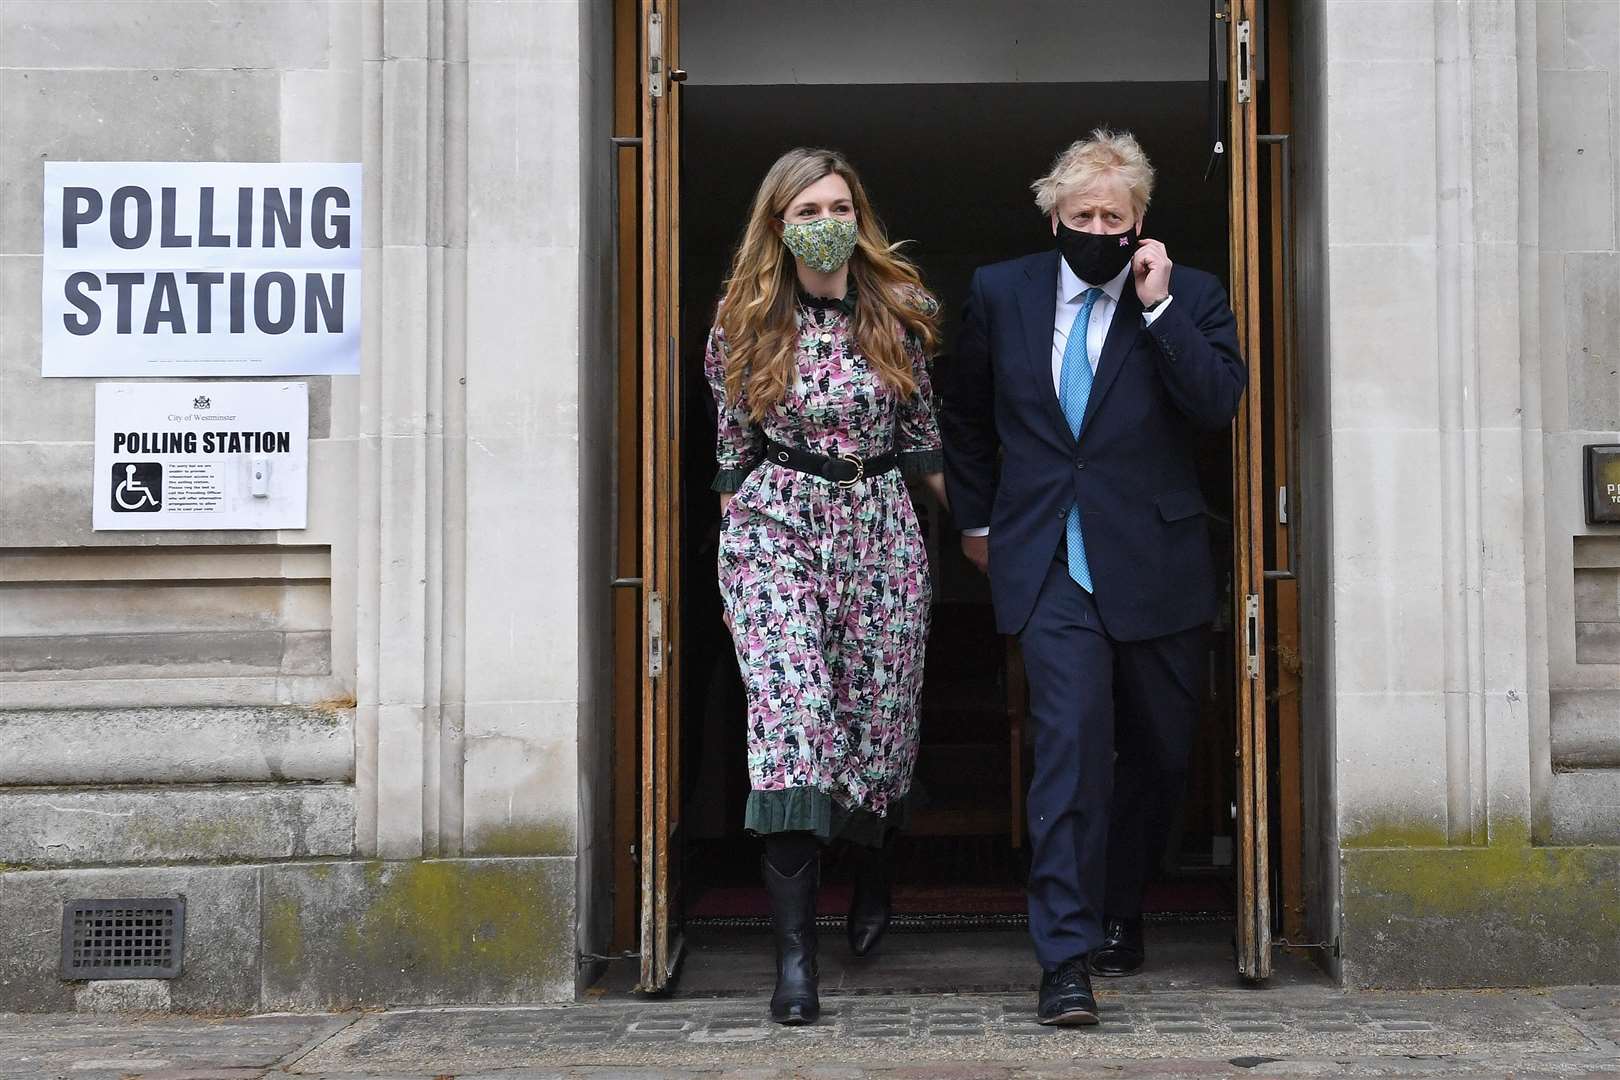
(818, 362)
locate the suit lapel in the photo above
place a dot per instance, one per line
(1037, 304)
(1122, 332)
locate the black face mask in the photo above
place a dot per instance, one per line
(1095, 259)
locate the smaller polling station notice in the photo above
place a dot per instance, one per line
(201, 455)
(180, 269)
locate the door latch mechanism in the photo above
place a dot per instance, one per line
(1251, 633)
(655, 55)
(1245, 85)
(655, 635)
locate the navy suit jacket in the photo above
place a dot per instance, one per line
(1132, 471)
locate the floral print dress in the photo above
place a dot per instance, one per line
(826, 588)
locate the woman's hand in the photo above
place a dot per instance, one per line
(725, 499)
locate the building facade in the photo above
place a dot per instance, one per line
(377, 754)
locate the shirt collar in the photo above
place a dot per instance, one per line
(846, 305)
(1072, 288)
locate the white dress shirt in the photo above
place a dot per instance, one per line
(1071, 292)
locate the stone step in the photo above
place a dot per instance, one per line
(58, 827)
(89, 747)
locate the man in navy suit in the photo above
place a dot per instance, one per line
(1094, 368)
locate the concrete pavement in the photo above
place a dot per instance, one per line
(1292, 1032)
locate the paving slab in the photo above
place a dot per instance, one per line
(1255, 1034)
(95, 1047)
(1164, 1069)
(1213, 1026)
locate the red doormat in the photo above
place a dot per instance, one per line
(1188, 896)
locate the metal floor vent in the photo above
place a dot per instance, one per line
(123, 939)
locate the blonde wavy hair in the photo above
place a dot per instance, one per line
(1088, 160)
(756, 313)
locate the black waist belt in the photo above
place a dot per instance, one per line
(845, 470)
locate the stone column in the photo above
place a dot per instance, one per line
(525, 367)
(470, 688)
(1401, 450)
(411, 416)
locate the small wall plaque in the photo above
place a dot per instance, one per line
(1603, 485)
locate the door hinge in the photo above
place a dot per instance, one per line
(1251, 634)
(1245, 86)
(655, 635)
(1282, 504)
(655, 55)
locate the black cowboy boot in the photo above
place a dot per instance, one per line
(793, 915)
(872, 900)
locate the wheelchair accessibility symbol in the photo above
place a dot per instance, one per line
(137, 487)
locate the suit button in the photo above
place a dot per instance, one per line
(1079, 463)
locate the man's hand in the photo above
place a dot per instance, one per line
(1150, 266)
(977, 550)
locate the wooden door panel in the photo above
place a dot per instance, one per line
(660, 498)
(1253, 854)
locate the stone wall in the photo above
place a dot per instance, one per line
(356, 748)
(1457, 150)
(1578, 120)
(169, 702)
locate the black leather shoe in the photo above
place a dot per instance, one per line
(1122, 951)
(1066, 998)
(793, 916)
(872, 900)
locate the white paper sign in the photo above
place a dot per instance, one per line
(201, 455)
(179, 269)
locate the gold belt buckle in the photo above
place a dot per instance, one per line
(860, 470)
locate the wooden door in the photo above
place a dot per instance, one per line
(1283, 439)
(1249, 511)
(659, 852)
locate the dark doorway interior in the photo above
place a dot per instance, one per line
(948, 166)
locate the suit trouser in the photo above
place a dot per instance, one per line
(1097, 823)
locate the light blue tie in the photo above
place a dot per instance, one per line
(1074, 391)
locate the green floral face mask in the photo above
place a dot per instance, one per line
(823, 245)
